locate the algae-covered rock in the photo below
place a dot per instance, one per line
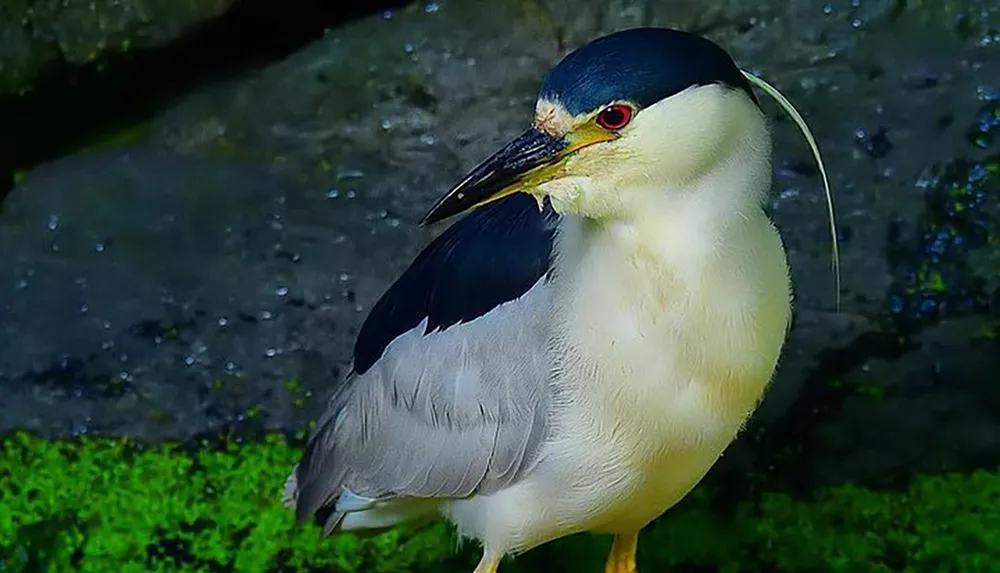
(34, 35)
(310, 174)
(413, 98)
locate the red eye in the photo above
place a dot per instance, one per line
(614, 117)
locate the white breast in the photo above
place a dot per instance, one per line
(660, 364)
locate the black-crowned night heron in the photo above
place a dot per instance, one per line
(577, 356)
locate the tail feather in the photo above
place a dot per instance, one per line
(389, 515)
(352, 512)
(290, 496)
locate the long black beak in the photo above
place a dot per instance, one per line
(505, 172)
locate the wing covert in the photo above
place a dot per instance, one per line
(491, 256)
(449, 392)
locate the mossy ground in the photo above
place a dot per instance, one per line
(112, 505)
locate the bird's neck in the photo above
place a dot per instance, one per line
(687, 229)
(681, 252)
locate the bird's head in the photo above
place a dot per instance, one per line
(641, 109)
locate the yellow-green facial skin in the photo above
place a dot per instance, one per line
(97, 505)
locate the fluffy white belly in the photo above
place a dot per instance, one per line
(618, 478)
(617, 463)
(601, 475)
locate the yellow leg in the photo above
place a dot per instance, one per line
(622, 556)
(488, 564)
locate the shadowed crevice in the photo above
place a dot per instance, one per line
(70, 104)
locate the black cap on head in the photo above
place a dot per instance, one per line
(641, 65)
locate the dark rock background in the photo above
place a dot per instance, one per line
(41, 35)
(196, 253)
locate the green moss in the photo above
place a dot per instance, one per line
(118, 137)
(112, 505)
(991, 332)
(103, 504)
(861, 388)
(950, 269)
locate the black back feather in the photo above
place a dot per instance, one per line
(491, 256)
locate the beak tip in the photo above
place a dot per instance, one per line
(499, 175)
(429, 219)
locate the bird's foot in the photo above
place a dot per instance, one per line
(622, 556)
(620, 566)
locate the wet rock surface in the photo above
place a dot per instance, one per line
(153, 293)
(37, 35)
(216, 274)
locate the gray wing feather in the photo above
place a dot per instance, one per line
(441, 415)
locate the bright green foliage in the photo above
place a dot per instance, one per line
(941, 523)
(104, 505)
(111, 505)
